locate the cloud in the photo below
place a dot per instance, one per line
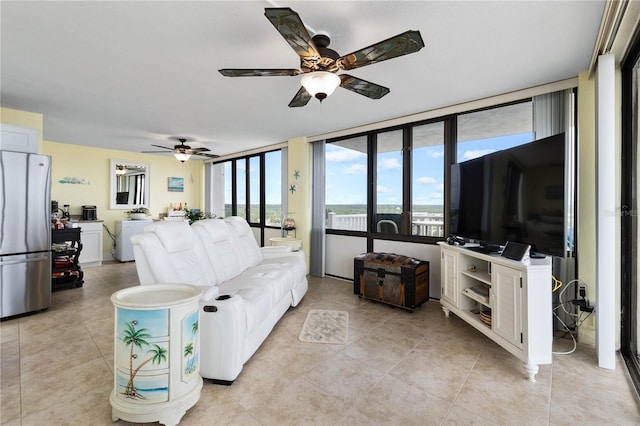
(436, 195)
(436, 154)
(389, 163)
(470, 155)
(356, 169)
(439, 187)
(426, 180)
(343, 155)
(381, 188)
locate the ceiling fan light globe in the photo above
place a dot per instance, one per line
(320, 84)
(181, 156)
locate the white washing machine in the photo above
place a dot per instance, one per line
(124, 230)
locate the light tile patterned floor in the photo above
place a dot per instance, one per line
(397, 368)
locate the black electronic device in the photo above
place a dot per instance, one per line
(453, 239)
(517, 194)
(536, 255)
(515, 251)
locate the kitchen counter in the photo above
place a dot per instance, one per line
(78, 218)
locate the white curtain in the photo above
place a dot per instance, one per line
(317, 246)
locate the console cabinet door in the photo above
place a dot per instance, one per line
(91, 237)
(506, 288)
(449, 274)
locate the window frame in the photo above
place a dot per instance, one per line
(450, 138)
(372, 152)
(261, 191)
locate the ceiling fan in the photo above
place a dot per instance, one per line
(319, 64)
(183, 152)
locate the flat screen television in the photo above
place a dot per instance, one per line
(517, 194)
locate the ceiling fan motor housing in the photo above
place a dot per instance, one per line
(327, 60)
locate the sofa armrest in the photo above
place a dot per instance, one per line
(210, 293)
(269, 252)
(222, 338)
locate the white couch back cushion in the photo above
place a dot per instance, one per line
(174, 254)
(224, 256)
(245, 239)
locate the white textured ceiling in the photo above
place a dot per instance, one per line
(128, 74)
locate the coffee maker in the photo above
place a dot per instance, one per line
(89, 213)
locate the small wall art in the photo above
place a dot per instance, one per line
(74, 180)
(176, 184)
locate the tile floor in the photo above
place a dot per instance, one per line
(397, 368)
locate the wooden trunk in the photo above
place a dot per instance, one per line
(393, 279)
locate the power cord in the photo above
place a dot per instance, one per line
(113, 239)
(578, 319)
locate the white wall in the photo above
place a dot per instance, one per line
(428, 252)
(341, 249)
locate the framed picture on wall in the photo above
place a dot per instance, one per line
(176, 184)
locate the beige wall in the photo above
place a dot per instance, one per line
(586, 224)
(299, 158)
(92, 164)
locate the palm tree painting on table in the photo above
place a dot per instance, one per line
(144, 345)
(190, 329)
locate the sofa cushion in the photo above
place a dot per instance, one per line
(245, 240)
(276, 281)
(224, 256)
(170, 253)
(174, 236)
(257, 300)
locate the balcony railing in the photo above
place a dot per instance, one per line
(423, 224)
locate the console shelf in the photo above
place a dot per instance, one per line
(508, 301)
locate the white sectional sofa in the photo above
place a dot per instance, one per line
(248, 288)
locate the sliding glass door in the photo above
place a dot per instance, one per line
(629, 212)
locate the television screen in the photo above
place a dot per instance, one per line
(517, 194)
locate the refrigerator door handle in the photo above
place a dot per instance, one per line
(24, 260)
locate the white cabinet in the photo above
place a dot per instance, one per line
(506, 287)
(156, 353)
(125, 229)
(19, 139)
(92, 240)
(448, 273)
(509, 301)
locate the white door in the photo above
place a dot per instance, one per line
(506, 315)
(449, 277)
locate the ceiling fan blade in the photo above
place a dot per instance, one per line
(240, 72)
(202, 149)
(290, 26)
(155, 152)
(160, 146)
(363, 87)
(402, 44)
(206, 155)
(300, 99)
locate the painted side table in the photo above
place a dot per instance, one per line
(156, 353)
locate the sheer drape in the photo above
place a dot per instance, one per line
(552, 113)
(316, 262)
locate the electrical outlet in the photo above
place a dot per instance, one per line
(582, 292)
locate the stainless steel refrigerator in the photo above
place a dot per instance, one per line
(25, 233)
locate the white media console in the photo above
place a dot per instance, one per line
(509, 301)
